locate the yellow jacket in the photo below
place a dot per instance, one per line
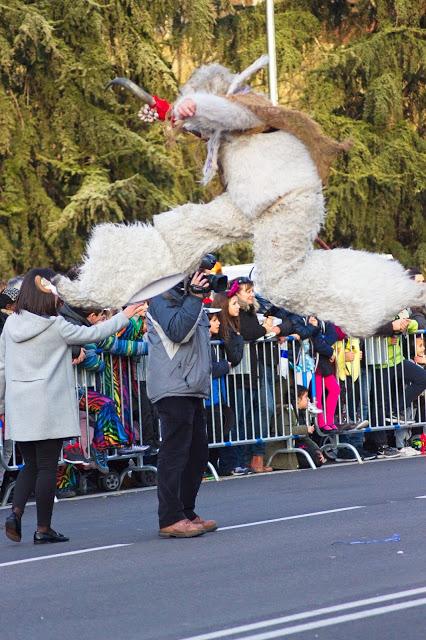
(344, 368)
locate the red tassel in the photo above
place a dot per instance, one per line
(423, 441)
(162, 107)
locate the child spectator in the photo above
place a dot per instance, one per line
(305, 430)
(293, 422)
(326, 383)
(220, 417)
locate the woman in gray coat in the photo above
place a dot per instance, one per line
(37, 392)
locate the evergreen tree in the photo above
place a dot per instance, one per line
(72, 154)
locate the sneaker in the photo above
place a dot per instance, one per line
(387, 452)
(366, 455)
(346, 454)
(73, 454)
(361, 424)
(408, 452)
(240, 471)
(100, 457)
(401, 420)
(328, 430)
(66, 492)
(135, 448)
(312, 408)
(345, 426)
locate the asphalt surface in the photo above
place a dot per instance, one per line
(334, 554)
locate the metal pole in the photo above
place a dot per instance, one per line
(270, 27)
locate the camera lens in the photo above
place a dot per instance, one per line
(217, 283)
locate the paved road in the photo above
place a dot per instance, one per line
(292, 572)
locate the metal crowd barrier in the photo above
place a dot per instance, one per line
(261, 395)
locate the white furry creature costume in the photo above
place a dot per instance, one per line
(273, 163)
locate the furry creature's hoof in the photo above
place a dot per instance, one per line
(157, 287)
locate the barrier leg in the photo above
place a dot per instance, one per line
(293, 450)
(213, 471)
(132, 467)
(7, 493)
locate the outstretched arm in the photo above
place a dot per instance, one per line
(206, 112)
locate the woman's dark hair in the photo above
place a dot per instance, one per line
(228, 323)
(32, 299)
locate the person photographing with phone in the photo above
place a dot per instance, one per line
(178, 380)
(37, 393)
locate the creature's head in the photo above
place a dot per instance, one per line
(210, 78)
(211, 85)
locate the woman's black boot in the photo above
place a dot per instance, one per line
(41, 537)
(13, 527)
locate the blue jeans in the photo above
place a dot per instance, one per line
(251, 424)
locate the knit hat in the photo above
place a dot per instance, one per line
(8, 296)
(11, 292)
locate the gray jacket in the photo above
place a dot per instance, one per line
(37, 383)
(179, 356)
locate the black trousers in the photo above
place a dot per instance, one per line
(182, 459)
(38, 475)
(150, 430)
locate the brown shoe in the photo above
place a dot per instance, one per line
(208, 525)
(181, 529)
(257, 465)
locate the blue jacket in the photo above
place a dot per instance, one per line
(179, 357)
(324, 340)
(218, 385)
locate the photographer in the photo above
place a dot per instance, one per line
(178, 380)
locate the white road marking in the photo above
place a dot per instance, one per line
(62, 555)
(312, 613)
(328, 622)
(420, 497)
(300, 515)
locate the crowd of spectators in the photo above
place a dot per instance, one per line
(346, 386)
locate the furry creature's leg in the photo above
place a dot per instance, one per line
(191, 231)
(126, 263)
(283, 237)
(357, 290)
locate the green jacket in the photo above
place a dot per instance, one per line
(394, 351)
